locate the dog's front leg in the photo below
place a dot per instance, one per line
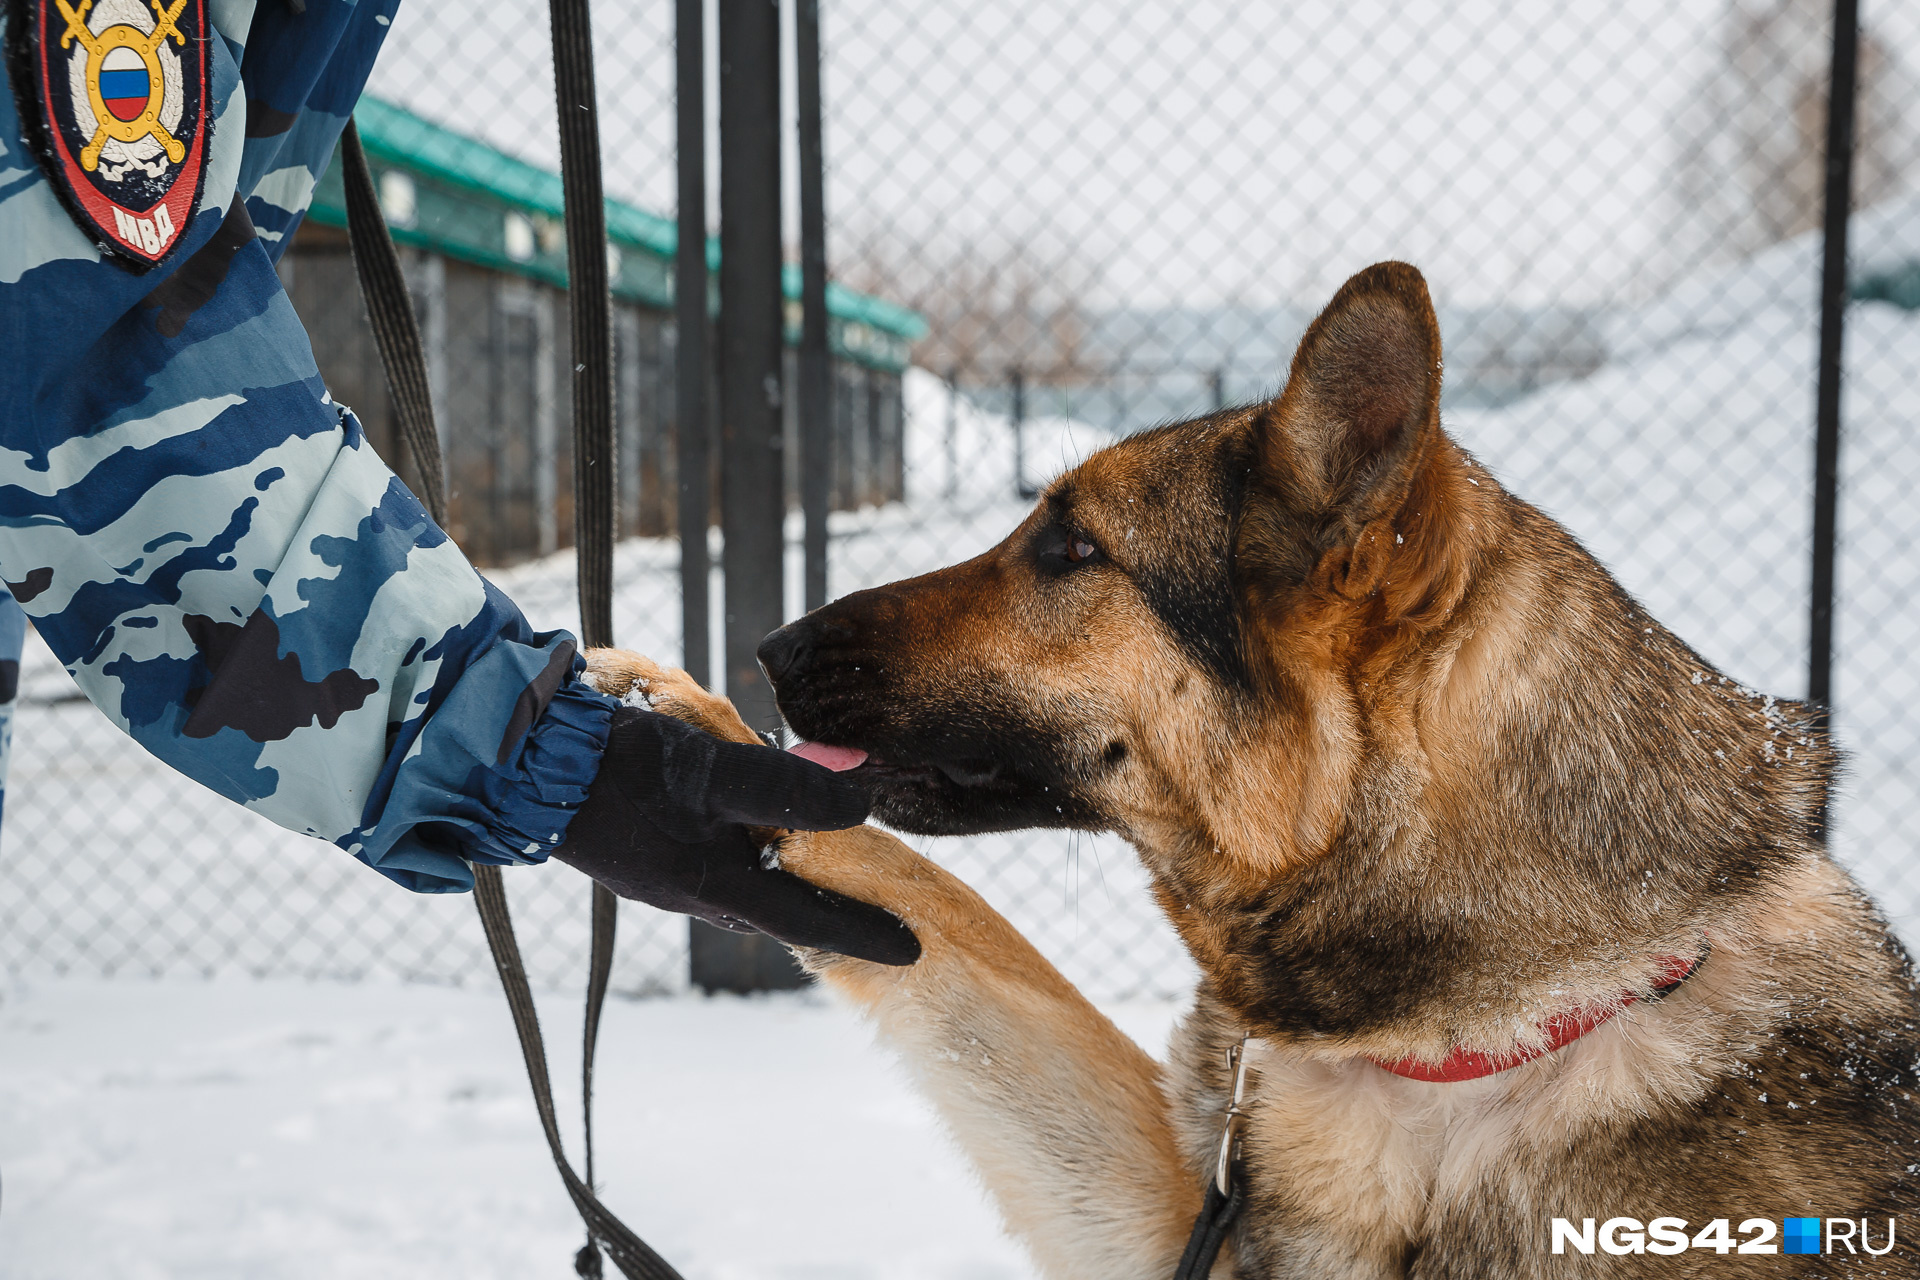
(1065, 1117)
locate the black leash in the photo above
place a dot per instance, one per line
(383, 288)
(1210, 1229)
(396, 333)
(590, 314)
(1227, 1188)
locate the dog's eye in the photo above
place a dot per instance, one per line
(1062, 550)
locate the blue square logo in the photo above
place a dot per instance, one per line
(1803, 1235)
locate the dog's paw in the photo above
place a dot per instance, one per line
(640, 680)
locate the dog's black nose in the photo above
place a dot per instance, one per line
(783, 650)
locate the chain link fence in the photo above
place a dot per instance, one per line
(1113, 216)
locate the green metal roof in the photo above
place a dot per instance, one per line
(1899, 285)
(463, 198)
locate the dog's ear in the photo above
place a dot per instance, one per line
(1337, 450)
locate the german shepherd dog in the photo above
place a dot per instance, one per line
(1523, 905)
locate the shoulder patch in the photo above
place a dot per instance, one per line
(113, 98)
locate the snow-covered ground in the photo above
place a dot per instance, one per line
(312, 1131)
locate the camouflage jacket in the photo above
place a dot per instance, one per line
(198, 531)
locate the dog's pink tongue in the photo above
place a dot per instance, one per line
(838, 759)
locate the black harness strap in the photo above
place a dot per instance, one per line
(397, 335)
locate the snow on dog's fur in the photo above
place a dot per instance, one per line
(1412, 775)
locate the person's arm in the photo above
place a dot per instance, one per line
(207, 542)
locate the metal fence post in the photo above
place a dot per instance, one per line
(691, 370)
(1833, 307)
(752, 477)
(816, 373)
(752, 496)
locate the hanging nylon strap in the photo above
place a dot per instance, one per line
(397, 335)
(590, 315)
(395, 330)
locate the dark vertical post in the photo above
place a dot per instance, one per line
(752, 497)
(816, 373)
(752, 479)
(691, 371)
(1833, 309)
(1219, 389)
(1020, 486)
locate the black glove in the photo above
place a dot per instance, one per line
(664, 823)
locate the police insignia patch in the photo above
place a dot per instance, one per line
(113, 94)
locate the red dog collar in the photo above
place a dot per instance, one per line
(1558, 1031)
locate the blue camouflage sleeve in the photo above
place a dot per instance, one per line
(200, 533)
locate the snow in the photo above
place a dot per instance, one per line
(1720, 301)
(285, 1130)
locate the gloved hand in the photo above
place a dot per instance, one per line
(665, 823)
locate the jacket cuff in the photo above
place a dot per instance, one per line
(533, 795)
